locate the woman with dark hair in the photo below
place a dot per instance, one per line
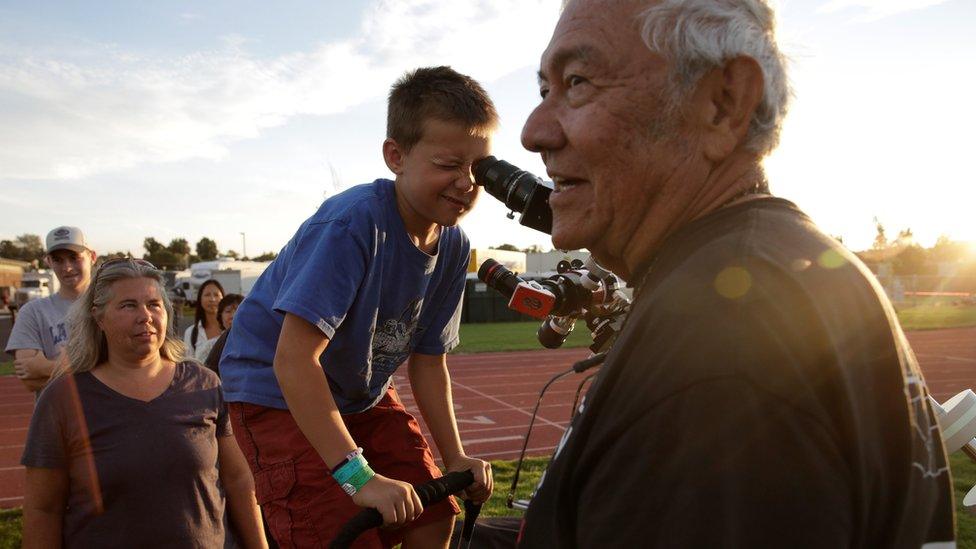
(209, 352)
(130, 445)
(205, 327)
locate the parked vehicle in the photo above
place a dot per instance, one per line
(235, 276)
(35, 285)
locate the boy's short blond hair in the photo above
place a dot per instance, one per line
(436, 92)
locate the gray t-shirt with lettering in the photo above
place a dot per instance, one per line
(140, 474)
(42, 325)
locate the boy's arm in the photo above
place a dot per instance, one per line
(431, 384)
(309, 398)
(33, 368)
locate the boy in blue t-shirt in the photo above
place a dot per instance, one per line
(374, 278)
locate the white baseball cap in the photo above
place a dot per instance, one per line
(66, 238)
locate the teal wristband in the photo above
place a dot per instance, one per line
(349, 469)
(358, 480)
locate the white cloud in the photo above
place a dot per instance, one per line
(75, 114)
(877, 9)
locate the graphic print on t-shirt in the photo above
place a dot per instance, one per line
(391, 342)
(59, 334)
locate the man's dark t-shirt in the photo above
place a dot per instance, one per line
(761, 394)
(154, 463)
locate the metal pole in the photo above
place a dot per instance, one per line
(244, 245)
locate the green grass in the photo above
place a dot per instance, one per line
(936, 314)
(10, 528)
(7, 368)
(503, 471)
(963, 478)
(932, 314)
(512, 336)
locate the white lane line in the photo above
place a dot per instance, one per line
(513, 453)
(503, 403)
(491, 439)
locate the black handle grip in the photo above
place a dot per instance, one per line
(429, 492)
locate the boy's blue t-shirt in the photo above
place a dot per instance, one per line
(352, 271)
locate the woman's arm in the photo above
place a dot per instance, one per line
(44, 502)
(245, 516)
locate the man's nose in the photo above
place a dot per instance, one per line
(542, 131)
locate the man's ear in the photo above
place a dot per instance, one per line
(728, 97)
(393, 155)
(47, 261)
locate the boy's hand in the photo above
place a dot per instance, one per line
(32, 364)
(484, 483)
(396, 501)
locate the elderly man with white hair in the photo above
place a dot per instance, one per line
(762, 393)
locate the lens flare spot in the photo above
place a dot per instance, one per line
(800, 265)
(733, 282)
(831, 259)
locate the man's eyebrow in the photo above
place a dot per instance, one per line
(563, 56)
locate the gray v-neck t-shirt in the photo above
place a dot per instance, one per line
(155, 481)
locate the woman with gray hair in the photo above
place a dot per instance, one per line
(128, 442)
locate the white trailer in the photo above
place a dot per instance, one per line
(35, 285)
(236, 277)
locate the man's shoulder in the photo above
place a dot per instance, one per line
(751, 244)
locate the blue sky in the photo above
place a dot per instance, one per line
(191, 119)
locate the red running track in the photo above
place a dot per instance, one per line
(494, 394)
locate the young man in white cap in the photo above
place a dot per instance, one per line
(41, 331)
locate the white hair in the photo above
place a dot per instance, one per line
(699, 35)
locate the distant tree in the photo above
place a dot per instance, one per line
(266, 256)
(32, 246)
(534, 249)
(912, 260)
(507, 247)
(165, 259)
(174, 256)
(179, 246)
(207, 249)
(945, 250)
(9, 250)
(880, 240)
(233, 254)
(26, 247)
(905, 238)
(152, 246)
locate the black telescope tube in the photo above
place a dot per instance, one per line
(498, 278)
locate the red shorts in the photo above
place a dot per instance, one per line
(303, 505)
